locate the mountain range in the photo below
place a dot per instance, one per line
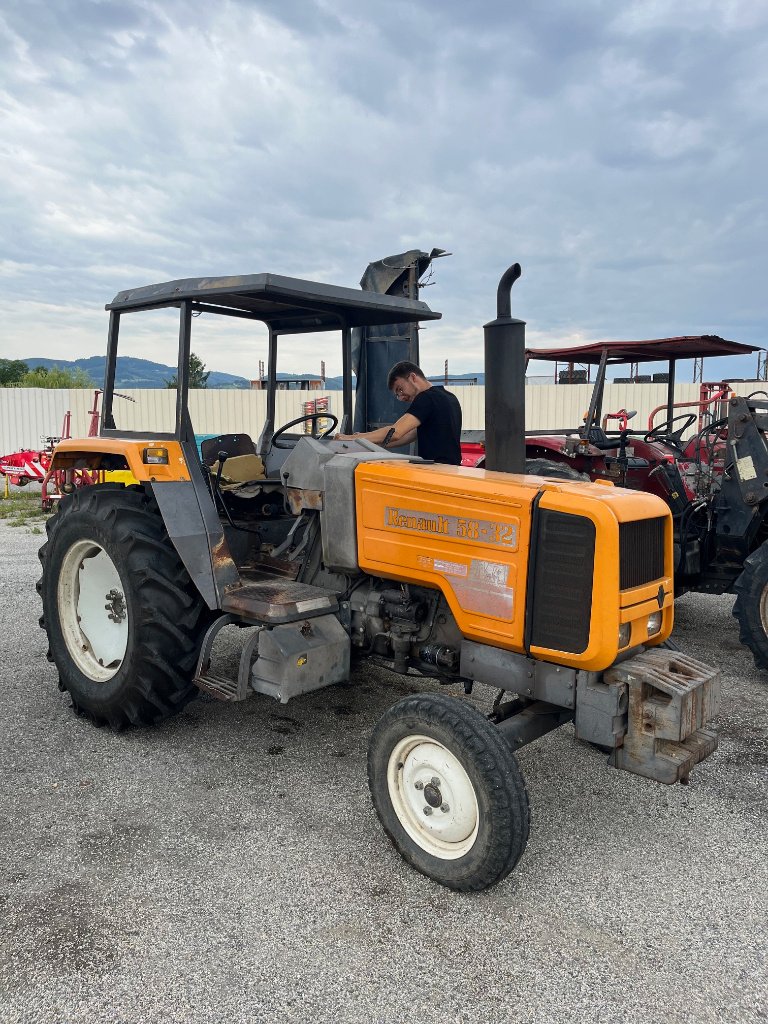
(143, 373)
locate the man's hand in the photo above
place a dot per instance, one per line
(345, 437)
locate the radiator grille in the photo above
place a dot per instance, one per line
(641, 552)
(562, 582)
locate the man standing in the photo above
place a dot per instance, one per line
(434, 418)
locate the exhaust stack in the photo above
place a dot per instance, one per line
(505, 383)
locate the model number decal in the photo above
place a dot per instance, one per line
(481, 530)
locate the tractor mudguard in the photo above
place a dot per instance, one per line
(197, 535)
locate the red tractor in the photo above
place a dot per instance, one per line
(708, 459)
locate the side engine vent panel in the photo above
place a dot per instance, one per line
(562, 582)
(641, 552)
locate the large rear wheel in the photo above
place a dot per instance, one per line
(123, 619)
(448, 791)
(751, 606)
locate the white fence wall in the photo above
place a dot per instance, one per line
(549, 406)
(27, 414)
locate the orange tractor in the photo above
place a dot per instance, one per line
(315, 554)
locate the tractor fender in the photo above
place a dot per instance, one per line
(535, 447)
(195, 531)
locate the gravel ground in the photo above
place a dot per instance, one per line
(229, 867)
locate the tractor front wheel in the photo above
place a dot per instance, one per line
(751, 606)
(448, 791)
(123, 619)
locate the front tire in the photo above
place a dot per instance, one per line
(123, 619)
(751, 606)
(448, 791)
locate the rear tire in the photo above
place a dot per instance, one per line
(434, 753)
(124, 620)
(751, 606)
(548, 467)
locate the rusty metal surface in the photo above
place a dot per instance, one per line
(672, 697)
(300, 498)
(277, 601)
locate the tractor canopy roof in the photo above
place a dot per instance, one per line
(285, 303)
(654, 350)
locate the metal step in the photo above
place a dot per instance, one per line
(220, 687)
(277, 601)
(225, 687)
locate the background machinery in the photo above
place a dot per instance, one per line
(707, 459)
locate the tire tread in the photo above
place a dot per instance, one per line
(169, 618)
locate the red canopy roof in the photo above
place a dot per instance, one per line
(654, 350)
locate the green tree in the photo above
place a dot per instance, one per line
(11, 371)
(55, 377)
(198, 375)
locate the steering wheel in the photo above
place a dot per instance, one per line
(663, 431)
(312, 418)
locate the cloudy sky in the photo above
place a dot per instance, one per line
(617, 150)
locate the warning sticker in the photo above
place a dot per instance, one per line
(450, 568)
(746, 468)
(486, 591)
(494, 573)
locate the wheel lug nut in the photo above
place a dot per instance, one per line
(444, 808)
(435, 781)
(419, 785)
(427, 810)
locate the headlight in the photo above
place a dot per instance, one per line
(155, 457)
(654, 623)
(625, 633)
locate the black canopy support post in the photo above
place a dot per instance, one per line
(596, 401)
(671, 392)
(182, 371)
(269, 423)
(505, 383)
(107, 419)
(346, 373)
(413, 329)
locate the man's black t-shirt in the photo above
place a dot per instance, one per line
(439, 430)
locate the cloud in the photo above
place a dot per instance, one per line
(617, 152)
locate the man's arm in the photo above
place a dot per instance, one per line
(404, 432)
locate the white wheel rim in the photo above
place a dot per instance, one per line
(433, 797)
(764, 610)
(92, 610)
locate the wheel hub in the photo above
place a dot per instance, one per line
(93, 611)
(433, 797)
(115, 605)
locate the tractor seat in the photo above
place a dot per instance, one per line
(232, 444)
(242, 465)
